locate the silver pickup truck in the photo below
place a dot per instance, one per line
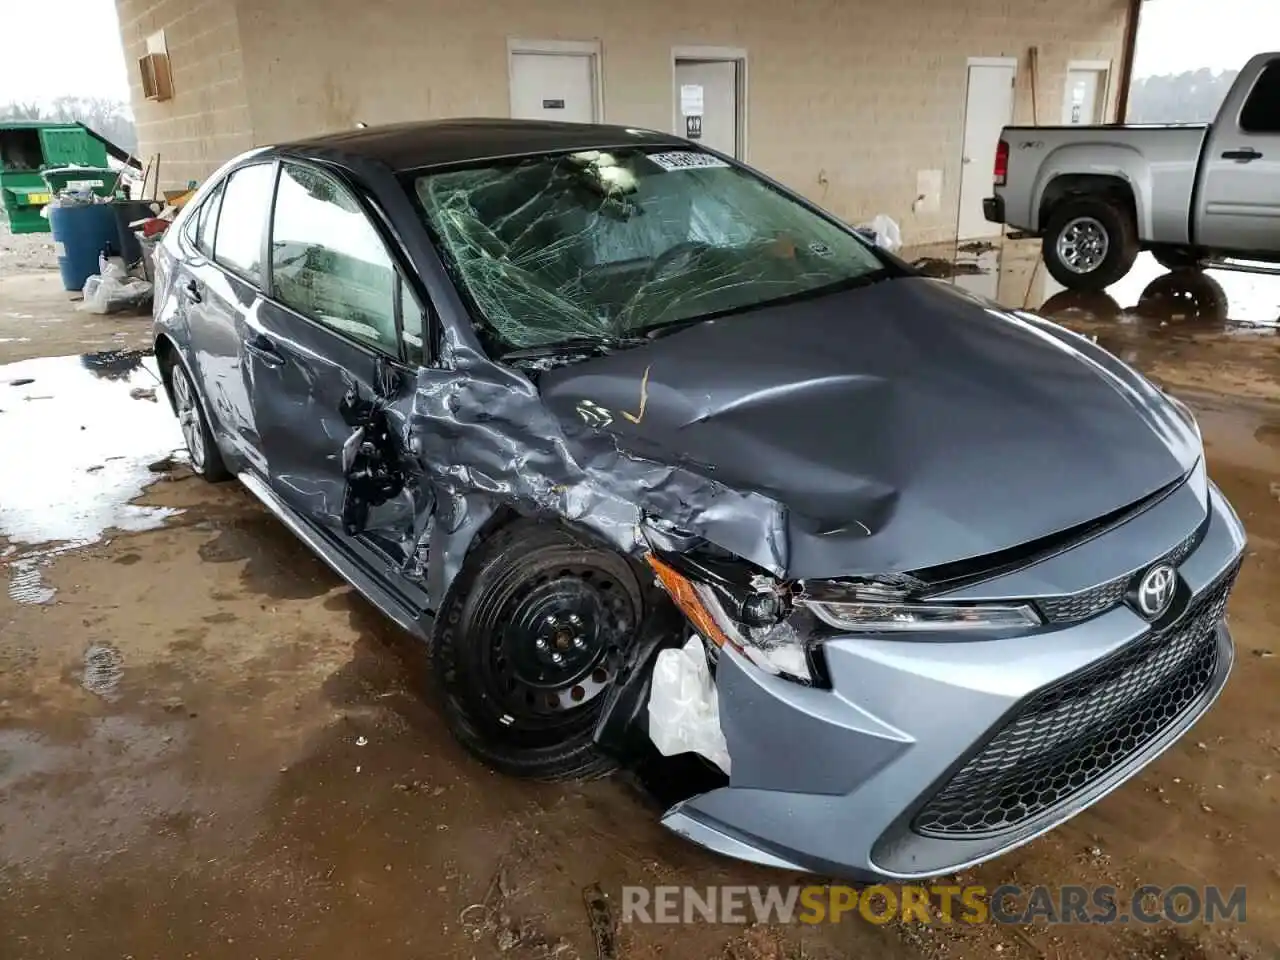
(1189, 194)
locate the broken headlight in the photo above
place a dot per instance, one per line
(727, 605)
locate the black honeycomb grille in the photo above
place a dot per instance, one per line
(1089, 603)
(1067, 736)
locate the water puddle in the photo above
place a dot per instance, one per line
(1224, 301)
(77, 435)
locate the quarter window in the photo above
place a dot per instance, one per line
(207, 222)
(1261, 113)
(241, 220)
(328, 262)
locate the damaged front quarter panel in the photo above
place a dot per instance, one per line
(485, 440)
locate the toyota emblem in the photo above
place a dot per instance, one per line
(1155, 592)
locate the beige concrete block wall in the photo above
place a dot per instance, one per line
(847, 99)
(207, 120)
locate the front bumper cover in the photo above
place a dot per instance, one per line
(828, 780)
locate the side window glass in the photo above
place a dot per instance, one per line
(414, 327)
(241, 219)
(1261, 113)
(328, 262)
(207, 222)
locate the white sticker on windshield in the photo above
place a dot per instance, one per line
(686, 160)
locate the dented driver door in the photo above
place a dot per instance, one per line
(329, 378)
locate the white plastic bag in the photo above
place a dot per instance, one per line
(113, 267)
(684, 709)
(110, 294)
(888, 233)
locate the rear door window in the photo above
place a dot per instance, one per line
(329, 263)
(1261, 113)
(242, 219)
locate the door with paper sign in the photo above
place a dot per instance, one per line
(707, 103)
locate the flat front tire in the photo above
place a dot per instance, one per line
(1089, 243)
(527, 644)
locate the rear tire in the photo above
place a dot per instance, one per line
(202, 449)
(528, 643)
(1089, 243)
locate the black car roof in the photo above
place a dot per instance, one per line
(407, 146)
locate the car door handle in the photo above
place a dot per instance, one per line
(260, 346)
(192, 290)
(1242, 156)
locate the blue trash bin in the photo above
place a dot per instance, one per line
(79, 234)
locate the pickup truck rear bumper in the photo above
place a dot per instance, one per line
(993, 209)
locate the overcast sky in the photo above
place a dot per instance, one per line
(1178, 35)
(86, 60)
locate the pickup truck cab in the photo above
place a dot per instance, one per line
(1099, 195)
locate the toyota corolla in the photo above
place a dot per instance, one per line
(657, 455)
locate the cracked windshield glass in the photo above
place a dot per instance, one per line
(610, 245)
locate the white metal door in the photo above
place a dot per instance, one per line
(553, 86)
(988, 108)
(706, 103)
(1082, 99)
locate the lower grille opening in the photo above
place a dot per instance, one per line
(1071, 734)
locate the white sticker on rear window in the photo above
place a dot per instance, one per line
(686, 160)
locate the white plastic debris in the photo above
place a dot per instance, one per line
(684, 710)
(111, 294)
(887, 232)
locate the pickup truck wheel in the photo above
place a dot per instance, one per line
(1178, 259)
(1089, 244)
(528, 643)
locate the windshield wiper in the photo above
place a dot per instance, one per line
(661, 328)
(599, 343)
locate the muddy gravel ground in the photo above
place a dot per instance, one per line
(210, 747)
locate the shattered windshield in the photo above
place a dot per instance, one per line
(619, 243)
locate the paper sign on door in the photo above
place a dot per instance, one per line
(691, 99)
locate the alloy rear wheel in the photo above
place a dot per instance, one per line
(206, 460)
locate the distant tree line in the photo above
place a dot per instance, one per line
(107, 118)
(1190, 97)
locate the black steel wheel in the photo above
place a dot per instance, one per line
(527, 643)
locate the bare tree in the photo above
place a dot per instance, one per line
(108, 118)
(1190, 97)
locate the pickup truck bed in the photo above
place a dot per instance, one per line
(1097, 195)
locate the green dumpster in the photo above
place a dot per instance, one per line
(28, 147)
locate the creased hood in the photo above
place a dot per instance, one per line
(901, 425)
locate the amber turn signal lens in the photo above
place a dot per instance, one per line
(686, 598)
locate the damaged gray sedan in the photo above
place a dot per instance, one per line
(656, 455)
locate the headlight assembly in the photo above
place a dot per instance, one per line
(906, 617)
(759, 616)
(750, 617)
